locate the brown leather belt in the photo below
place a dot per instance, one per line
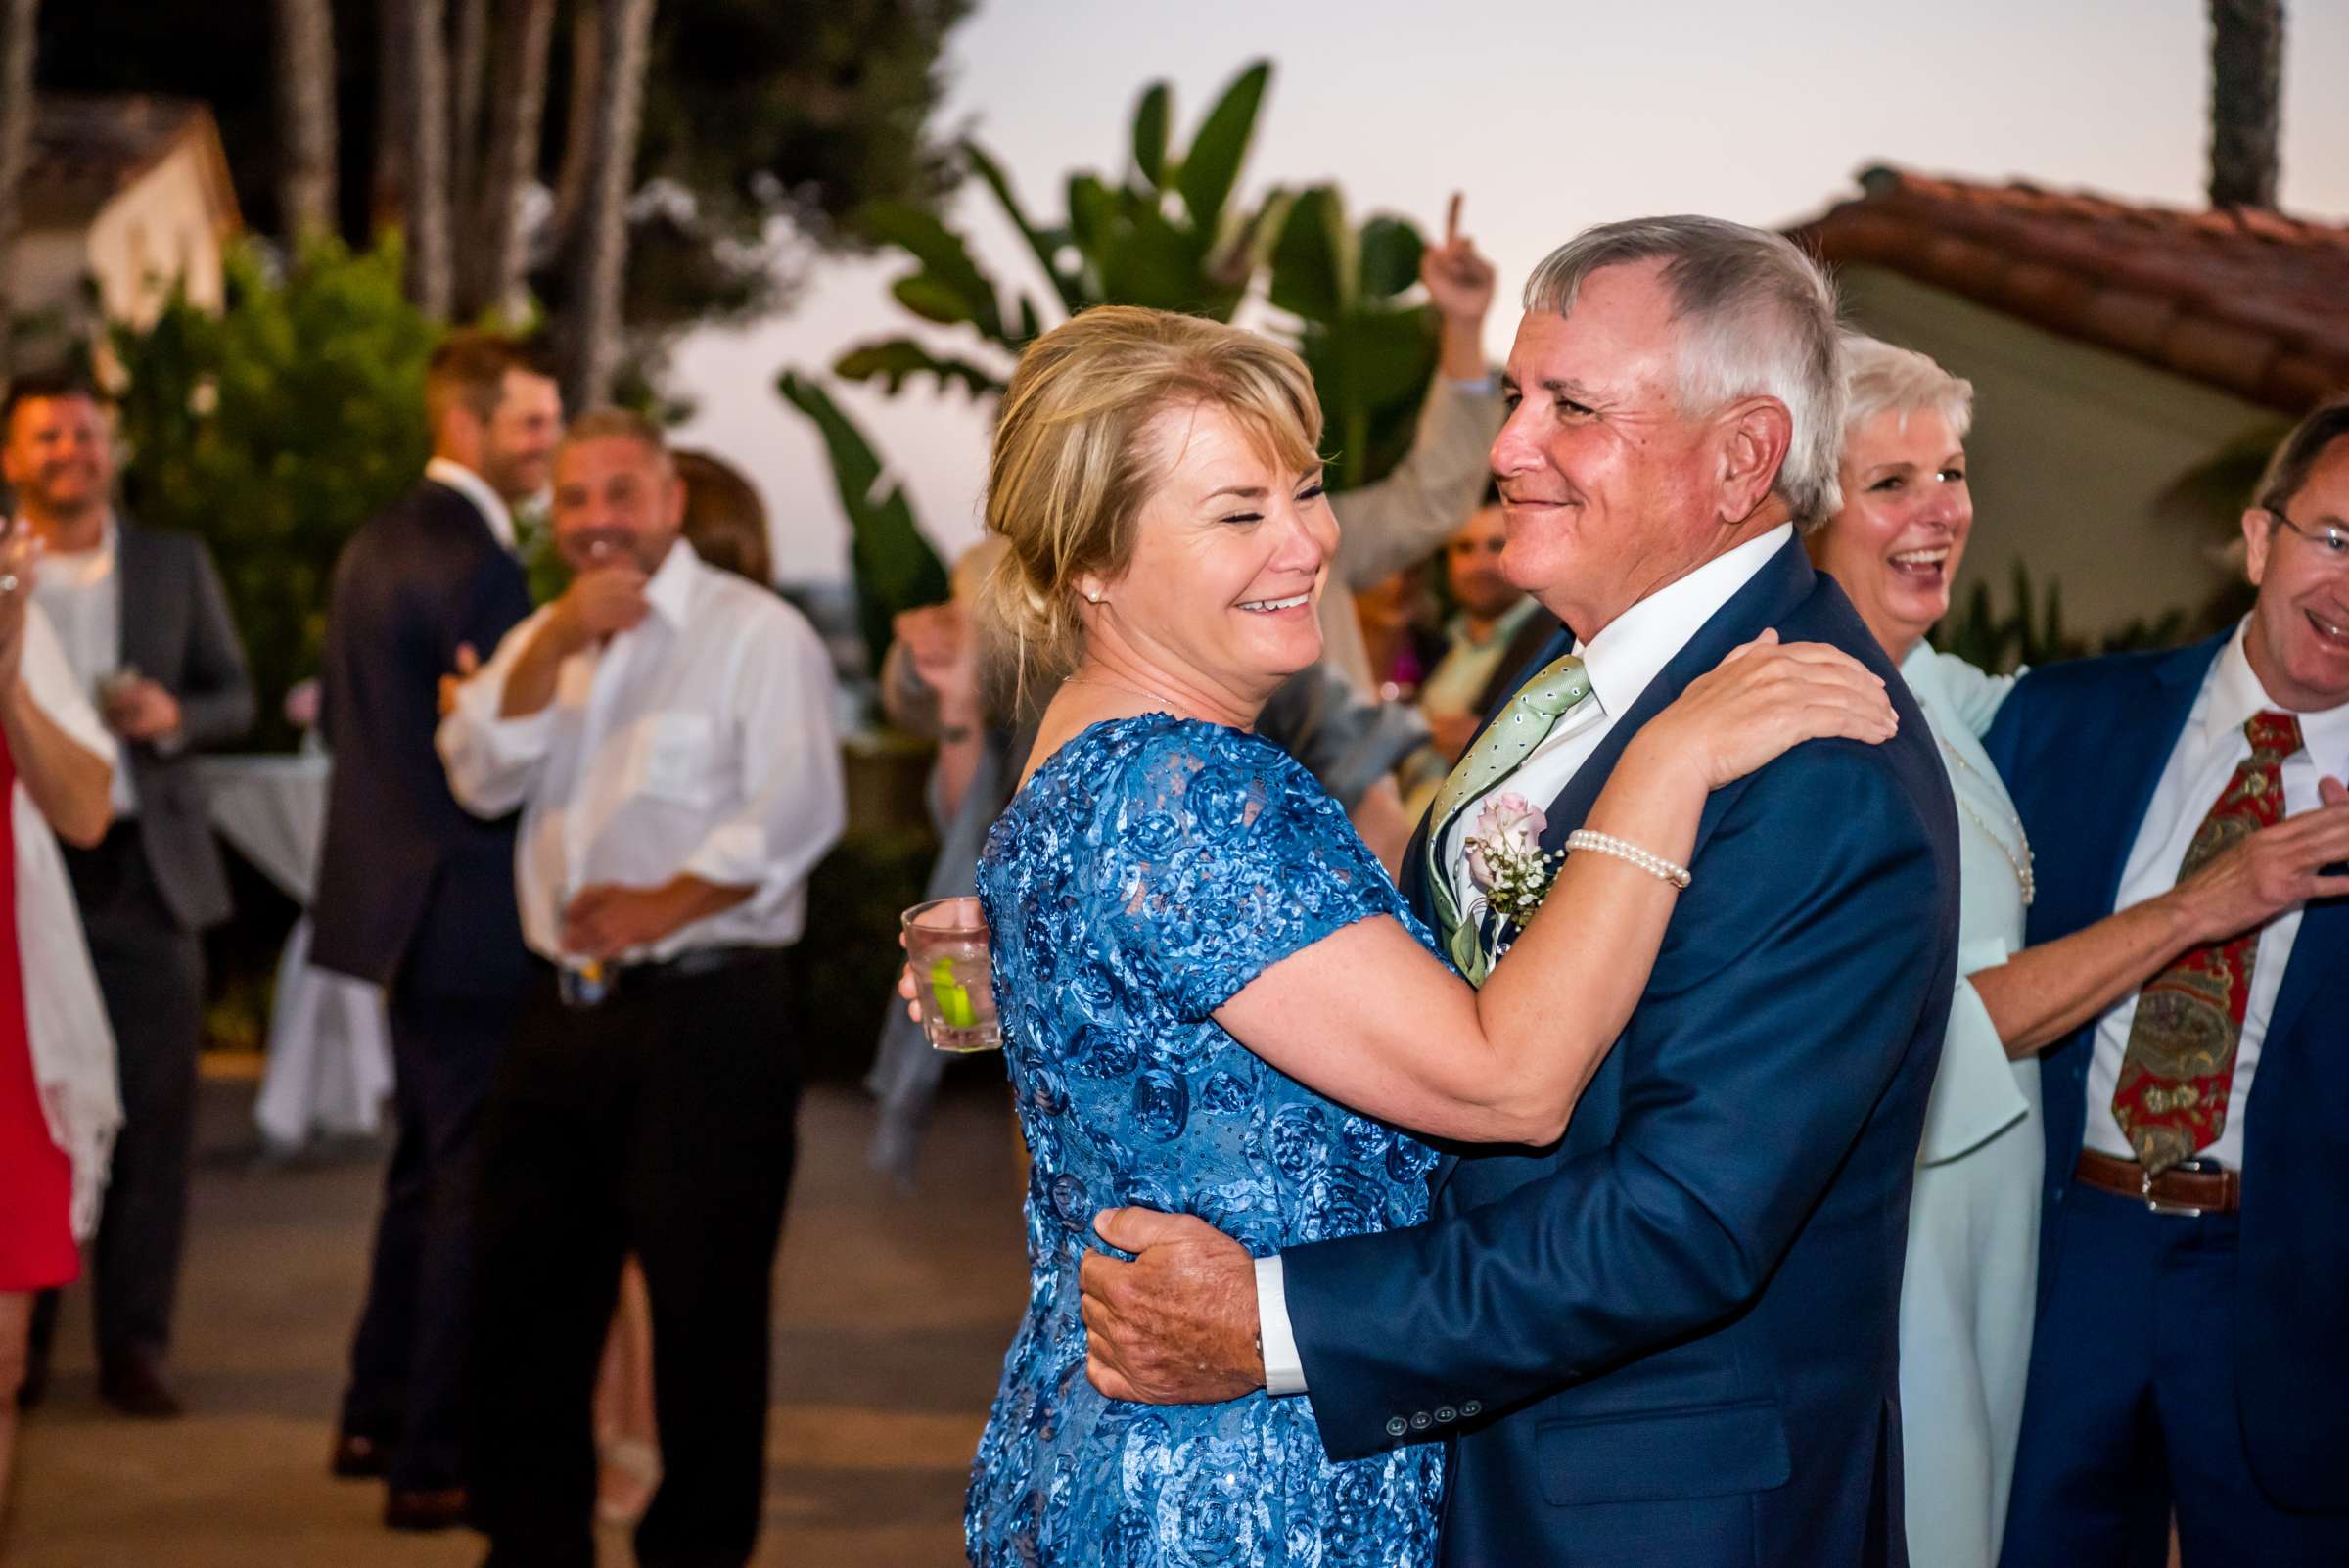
(2194, 1187)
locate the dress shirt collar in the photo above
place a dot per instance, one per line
(474, 489)
(669, 591)
(82, 568)
(1638, 644)
(2235, 694)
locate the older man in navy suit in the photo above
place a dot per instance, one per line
(1670, 1337)
(417, 895)
(2191, 1351)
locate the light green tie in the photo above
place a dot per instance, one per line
(1524, 725)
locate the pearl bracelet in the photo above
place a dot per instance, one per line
(1656, 865)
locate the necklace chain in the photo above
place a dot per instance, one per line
(2025, 862)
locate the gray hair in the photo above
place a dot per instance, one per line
(1757, 318)
(1882, 378)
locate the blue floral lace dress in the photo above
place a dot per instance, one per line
(1146, 873)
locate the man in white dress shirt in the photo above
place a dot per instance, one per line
(665, 730)
(2191, 1346)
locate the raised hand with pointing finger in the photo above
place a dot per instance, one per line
(1460, 284)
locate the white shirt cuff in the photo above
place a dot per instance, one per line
(1284, 1370)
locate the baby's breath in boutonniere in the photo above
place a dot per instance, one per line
(1506, 860)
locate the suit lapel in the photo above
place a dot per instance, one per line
(134, 573)
(2140, 752)
(2321, 949)
(1784, 581)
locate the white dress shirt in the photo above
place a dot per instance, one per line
(493, 506)
(65, 1019)
(81, 594)
(2208, 750)
(699, 742)
(1620, 662)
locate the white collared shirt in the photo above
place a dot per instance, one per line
(80, 591)
(2209, 749)
(697, 742)
(1620, 662)
(493, 506)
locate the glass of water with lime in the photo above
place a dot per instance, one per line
(945, 948)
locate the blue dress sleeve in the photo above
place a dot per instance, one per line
(1225, 857)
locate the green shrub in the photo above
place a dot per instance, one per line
(274, 430)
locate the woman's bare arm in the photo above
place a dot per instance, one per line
(1369, 1018)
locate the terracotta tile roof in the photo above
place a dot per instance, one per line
(2254, 303)
(86, 146)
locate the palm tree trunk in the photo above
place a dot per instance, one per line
(518, 102)
(18, 40)
(579, 123)
(388, 190)
(601, 257)
(426, 137)
(2246, 99)
(305, 118)
(468, 65)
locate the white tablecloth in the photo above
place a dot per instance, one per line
(330, 1045)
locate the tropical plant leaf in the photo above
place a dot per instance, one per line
(1150, 134)
(1211, 166)
(947, 270)
(1389, 258)
(896, 360)
(893, 567)
(926, 296)
(1092, 214)
(1045, 245)
(1307, 272)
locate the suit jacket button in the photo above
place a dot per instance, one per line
(1444, 1413)
(1470, 1409)
(1421, 1422)
(1397, 1426)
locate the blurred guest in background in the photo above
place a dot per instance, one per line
(1400, 521)
(58, 1104)
(146, 629)
(666, 731)
(2192, 1334)
(1397, 620)
(1969, 1289)
(417, 895)
(725, 524)
(1496, 627)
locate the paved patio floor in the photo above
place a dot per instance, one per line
(892, 1314)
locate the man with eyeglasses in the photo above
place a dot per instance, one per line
(2192, 1333)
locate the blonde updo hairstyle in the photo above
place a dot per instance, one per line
(1073, 466)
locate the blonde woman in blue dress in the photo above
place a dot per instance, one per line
(1969, 1296)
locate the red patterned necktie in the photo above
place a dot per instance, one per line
(2180, 1065)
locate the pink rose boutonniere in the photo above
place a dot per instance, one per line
(1505, 858)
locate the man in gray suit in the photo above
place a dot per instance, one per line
(146, 627)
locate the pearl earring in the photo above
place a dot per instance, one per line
(1093, 598)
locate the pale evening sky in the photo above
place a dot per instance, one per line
(1550, 116)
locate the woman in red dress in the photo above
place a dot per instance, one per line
(66, 781)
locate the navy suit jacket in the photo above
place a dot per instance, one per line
(2082, 747)
(1671, 1337)
(408, 877)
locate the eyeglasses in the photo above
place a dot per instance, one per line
(2331, 543)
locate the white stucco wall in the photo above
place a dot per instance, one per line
(2072, 447)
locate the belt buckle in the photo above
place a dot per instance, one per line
(2177, 1211)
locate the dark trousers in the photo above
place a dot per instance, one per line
(660, 1123)
(151, 970)
(407, 1360)
(2129, 1410)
